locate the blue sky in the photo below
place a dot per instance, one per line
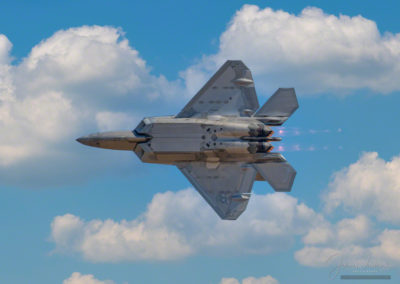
(73, 214)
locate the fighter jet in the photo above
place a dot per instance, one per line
(220, 141)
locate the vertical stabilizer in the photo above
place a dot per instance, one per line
(279, 107)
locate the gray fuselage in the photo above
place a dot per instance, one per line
(213, 140)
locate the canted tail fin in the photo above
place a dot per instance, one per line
(280, 175)
(279, 107)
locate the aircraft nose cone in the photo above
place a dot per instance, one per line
(83, 140)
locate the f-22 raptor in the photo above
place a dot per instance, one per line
(221, 140)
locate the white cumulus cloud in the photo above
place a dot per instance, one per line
(5, 47)
(348, 230)
(108, 121)
(78, 278)
(312, 51)
(383, 250)
(250, 280)
(180, 224)
(78, 81)
(370, 186)
(350, 240)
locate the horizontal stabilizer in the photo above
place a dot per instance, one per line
(282, 104)
(279, 175)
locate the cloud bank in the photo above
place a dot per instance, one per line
(312, 51)
(77, 81)
(62, 86)
(251, 280)
(369, 250)
(181, 224)
(78, 278)
(369, 187)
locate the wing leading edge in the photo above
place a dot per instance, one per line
(226, 188)
(230, 92)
